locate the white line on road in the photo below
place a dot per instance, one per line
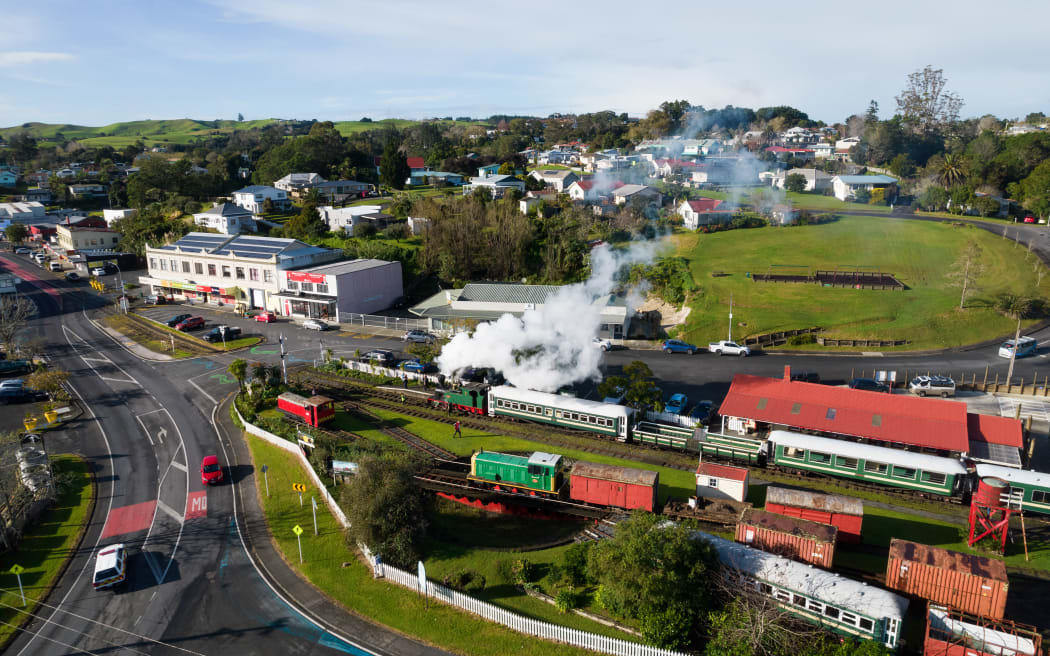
(178, 465)
(119, 380)
(203, 392)
(170, 511)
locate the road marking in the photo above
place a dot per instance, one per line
(87, 361)
(170, 511)
(1035, 409)
(872, 354)
(212, 398)
(178, 465)
(129, 519)
(119, 380)
(197, 504)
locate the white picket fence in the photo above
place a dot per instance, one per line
(671, 418)
(377, 321)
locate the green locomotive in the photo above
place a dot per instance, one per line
(539, 474)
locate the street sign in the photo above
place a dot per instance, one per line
(264, 468)
(17, 569)
(299, 487)
(298, 530)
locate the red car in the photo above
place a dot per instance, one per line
(211, 471)
(266, 317)
(1029, 219)
(190, 324)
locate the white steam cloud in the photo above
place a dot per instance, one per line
(551, 346)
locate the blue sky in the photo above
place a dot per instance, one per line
(97, 63)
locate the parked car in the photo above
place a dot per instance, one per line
(676, 404)
(418, 337)
(1025, 346)
(73, 276)
(98, 271)
(156, 299)
(703, 411)
(383, 356)
(266, 317)
(315, 324)
(415, 366)
(211, 470)
(215, 334)
(55, 267)
(725, 347)
(868, 385)
(942, 386)
(603, 344)
(616, 396)
(176, 320)
(13, 383)
(22, 251)
(678, 346)
(190, 324)
(111, 566)
(805, 376)
(21, 395)
(8, 367)
(1029, 219)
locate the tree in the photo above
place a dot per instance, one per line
(1017, 307)
(50, 381)
(795, 182)
(240, 117)
(424, 352)
(393, 166)
(861, 195)
(924, 104)
(506, 168)
(22, 147)
(260, 373)
(239, 370)
(386, 508)
(933, 199)
(966, 270)
(902, 166)
(307, 225)
(16, 233)
(267, 206)
(15, 313)
(656, 573)
(950, 170)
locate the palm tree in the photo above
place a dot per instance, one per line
(951, 172)
(273, 374)
(259, 373)
(238, 369)
(1017, 307)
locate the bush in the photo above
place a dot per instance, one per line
(523, 571)
(574, 562)
(465, 580)
(799, 340)
(566, 599)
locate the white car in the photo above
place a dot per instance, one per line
(603, 344)
(98, 271)
(110, 566)
(22, 250)
(315, 324)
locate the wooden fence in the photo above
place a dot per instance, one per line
(778, 338)
(967, 381)
(869, 343)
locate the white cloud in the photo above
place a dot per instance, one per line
(13, 58)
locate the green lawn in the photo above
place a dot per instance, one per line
(820, 202)
(46, 546)
(920, 254)
(354, 587)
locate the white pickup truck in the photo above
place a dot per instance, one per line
(725, 347)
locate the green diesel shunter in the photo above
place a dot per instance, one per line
(541, 473)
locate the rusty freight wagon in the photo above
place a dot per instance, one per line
(951, 633)
(970, 584)
(609, 485)
(845, 513)
(797, 539)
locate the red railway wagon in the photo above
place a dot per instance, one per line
(970, 584)
(313, 411)
(797, 539)
(845, 513)
(951, 633)
(609, 485)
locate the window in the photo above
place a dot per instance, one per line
(198, 268)
(211, 270)
(174, 265)
(712, 482)
(876, 420)
(253, 274)
(153, 263)
(799, 600)
(225, 271)
(866, 624)
(831, 413)
(308, 286)
(185, 266)
(163, 265)
(849, 618)
(240, 273)
(872, 467)
(903, 472)
(115, 239)
(267, 276)
(936, 478)
(846, 463)
(794, 452)
(796, 408)
(322, 288)
(814, 605)
(817, 456)
(831, 612)
(782, 595)
(293, 285)
(1040, 496)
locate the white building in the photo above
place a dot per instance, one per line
(418, 224)
(336, 291)
(115, 215)
(816, 180)
(345, 218)
(559, 179)
(227, 218)
(26, 212)
(497, 185)
(846, 186)
(252, 198)
(637, 195)
(238, 270)
(296, 181)
(721, 482)
(847, 143)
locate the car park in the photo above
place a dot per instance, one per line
(216, 333)
(190, 324)
(678, 346)
(176, 320)
(676, 404)
(211, 471)
(868, 385)
(73, 276)
(603, 344)
(315, 324)
(1025, 346)
(110, 566)
(418, 337)
(266, 317)
(942, 386)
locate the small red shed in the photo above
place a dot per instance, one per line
(721, 481)
(971, 584)
(797, 539)
(610, 485)
(845, 513)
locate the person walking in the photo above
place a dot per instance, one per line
(457, 433)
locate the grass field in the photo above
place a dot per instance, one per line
(46, 546)
(920, 254)
(389, 604)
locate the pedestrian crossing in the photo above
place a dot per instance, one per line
(1037, 410)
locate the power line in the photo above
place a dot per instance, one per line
(78, 632)
(59, 642)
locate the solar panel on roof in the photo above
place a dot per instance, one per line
(997, 453)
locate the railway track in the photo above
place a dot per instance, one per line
(400, 434)
(442, 480)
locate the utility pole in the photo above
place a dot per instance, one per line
(1013, 354)
(730, 316)
(284, 366)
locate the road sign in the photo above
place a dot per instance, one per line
(264, 468)
(298, 487)
(17, 569)
(298, 530)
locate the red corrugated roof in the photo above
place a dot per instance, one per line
(995, 430)
(416, 163)
(585, 184)
(930, 423)
(704, 204)
(721, 471)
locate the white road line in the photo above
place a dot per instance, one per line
(119, 380)
(203, 392)
(170, 511)
(150, 412)
(96, 359)
(178, 465)
(88, 363)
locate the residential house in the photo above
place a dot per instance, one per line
(338, 191)
(87, 190)
(345, 218)
(589, 161)
(110, 216)
(783, 153)
(846, 144)
(431, 177)
(497, 185)
(488, 169)
(416, 164)
(38, 195)
(583, 191)
(798, 136)
(297, 182)
(705, 211)
(252, 198)
(846, 186)
(227, 218)
(39, 177)
(665, 168)
(8, 178)
(822, 150)
(559, 157)
(637, 195)
(418, 224)
(65, 173)
(559, 180)
(533, 199)
(816, 180)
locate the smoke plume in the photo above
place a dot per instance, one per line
(551, 346)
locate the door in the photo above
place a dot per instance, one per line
(258, 298)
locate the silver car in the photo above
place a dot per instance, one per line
(315, 324)
(418, 336)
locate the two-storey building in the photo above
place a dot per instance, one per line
(254, 197)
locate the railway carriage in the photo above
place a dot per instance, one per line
(565, 411)
(1029, 490)
(314, 411)
(734, 447)
(663, 435)
(865, 462)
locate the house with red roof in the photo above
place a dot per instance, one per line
(721, 481)
(664, 168)
(705, 211)
(591, 190)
